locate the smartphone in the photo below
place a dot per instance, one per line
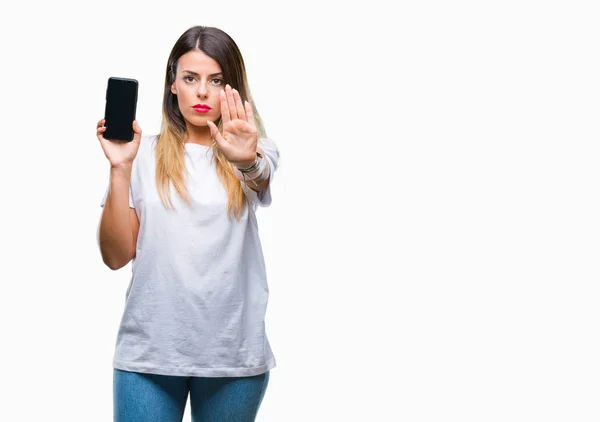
(121, 104)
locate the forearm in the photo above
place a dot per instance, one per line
(115, 236)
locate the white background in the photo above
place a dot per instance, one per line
(432, 246)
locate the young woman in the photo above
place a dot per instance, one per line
(182, 206)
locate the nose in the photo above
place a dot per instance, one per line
(202, 90)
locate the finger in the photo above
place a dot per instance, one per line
(100, 134)
(231, 102)
(136, 127)
(214, 131)
(224, 109)
(239, 105)
(137, 131)
(250, 114)
(101, 123)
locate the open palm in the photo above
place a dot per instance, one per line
(240, 137)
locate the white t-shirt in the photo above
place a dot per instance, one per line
(197, 298)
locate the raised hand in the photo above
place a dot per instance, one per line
(240, 138)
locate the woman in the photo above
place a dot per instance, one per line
(182, 206)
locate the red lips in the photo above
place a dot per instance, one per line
(202, 106)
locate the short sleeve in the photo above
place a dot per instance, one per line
(131, 204)
(263, 197)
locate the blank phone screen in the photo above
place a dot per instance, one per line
(121, 99)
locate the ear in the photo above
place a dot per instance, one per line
(173, 90)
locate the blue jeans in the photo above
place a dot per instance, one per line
(140, 397)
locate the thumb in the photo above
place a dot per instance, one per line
(211, 126)
(214, 131)
(137, 130)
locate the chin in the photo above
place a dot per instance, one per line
(198, 120)
(199, 124)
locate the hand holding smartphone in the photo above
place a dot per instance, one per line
(121, 104)
(119, 133)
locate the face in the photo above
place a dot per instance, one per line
(198, 81)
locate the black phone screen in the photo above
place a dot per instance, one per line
(121, 102)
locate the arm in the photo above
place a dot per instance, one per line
(119, 225)
(264, 183)
(239, 128)
(261, 194)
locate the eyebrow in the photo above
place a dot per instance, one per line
(196, 74)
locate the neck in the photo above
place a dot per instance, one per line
(198, 135)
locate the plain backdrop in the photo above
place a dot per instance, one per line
(432, 245)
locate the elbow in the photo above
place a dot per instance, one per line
(114, 267)
(115, 263)
(114, 254)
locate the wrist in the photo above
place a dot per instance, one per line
(245, 164)
(256, 174)
(121, 167)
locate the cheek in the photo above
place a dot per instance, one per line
(219, 102)
(184, 97)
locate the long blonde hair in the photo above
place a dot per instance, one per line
(170, 147)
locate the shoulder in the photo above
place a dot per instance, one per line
(148, 139)
(147, 142)
(145, 148)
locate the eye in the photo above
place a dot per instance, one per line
(185, 78)
(220, 81)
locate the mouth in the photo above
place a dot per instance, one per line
(202, 108)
